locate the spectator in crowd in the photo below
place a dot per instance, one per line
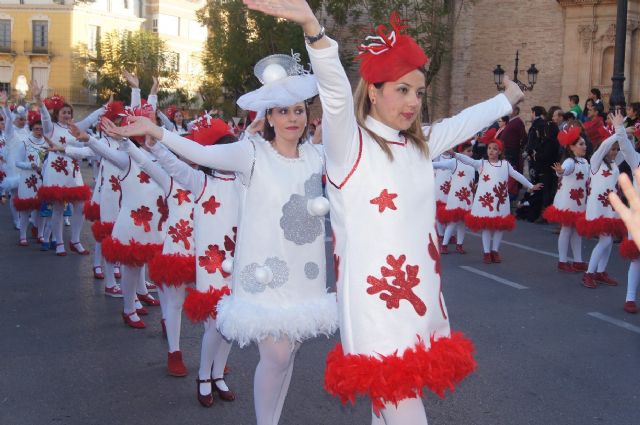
(502, 123)
(596, 96)
(535, 139)
(594, 125)
(514, 138)
(567, 120)
(633, 115)
(574, 105)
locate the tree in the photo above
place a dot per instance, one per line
(141, 53)
(238, 38)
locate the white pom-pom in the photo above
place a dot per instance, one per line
(318, 206)
(273, 72)
(227, 265)
(20, 109)
(264, 275)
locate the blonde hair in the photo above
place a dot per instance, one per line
(414, 133)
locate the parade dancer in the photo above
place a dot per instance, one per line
(459, 199)
(570, 201)
(394, 326)
(443, 188)
(12, 142)
(600, 219)
(491, 212)
(279, 296)
(216, 202)
(62, 179)
(174, 120)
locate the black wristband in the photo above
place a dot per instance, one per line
(310, 39)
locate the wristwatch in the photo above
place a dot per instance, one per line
(310, 39)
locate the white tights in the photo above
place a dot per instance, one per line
(109, 277)
(272, 378)
(129, 283)
(24, 222)
(213, 355)
(457, 227)
(77, 219)
(569, 235)
(46, 229)
(14, 212)
(600, 254)
(409, 411)
(171, 300)
(633, 277)
(439, 228)
(491, 240)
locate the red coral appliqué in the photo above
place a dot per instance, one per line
(501, 192)
(487, 201)
(31, 182)
(212, 260)
(60, 165)
(400, 287)
(445, 187)
(230, 242)
(464, 195)
(181, 232)
(604, 198)
(163, 210)
(141, 217)
(577, 195)
(115, 186)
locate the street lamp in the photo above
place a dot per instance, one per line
(532, 76)
(617, 86)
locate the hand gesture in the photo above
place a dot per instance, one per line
(557, 167)
(536, 187)
(317, 136)
(150, 141)
(138, 126)
(512, 91)
(131, 79)
(630, 215)
(79, 134)
(255, 126)
(297, 11)
(36, 90)
(616, 118)
(154, 87)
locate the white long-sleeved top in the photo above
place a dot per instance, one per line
(84, 124)
(479, 164)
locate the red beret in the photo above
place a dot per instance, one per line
(569, 137)
(389, 55)
(207, 131)
(114, 109)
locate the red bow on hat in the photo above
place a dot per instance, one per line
(114, 109)
(144, 110)
(33, 116)
(389, 55)
(569, 137)
(207, 131)
(55, 102)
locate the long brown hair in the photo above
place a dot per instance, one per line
(414, 133)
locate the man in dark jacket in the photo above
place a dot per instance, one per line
(514, 137)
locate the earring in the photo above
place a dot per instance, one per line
(373, 101)
(270, 124)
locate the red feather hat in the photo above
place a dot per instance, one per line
(489, 137)
(55, 102)
(114, 109)
(170, 112)
(207, 131)
(569, 137)
(144, 110)
(389, 54)
(33, 116)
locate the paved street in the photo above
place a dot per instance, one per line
(549, 351)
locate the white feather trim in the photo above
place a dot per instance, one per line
(244, 321)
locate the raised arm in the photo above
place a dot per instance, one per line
(47, 123)
(190, 178)
(628, 151)
(149, 166)
(78, 152)
(166, 122)
(445, 164)
(475, 163)
(91, 119)
(9, 130)
(117, 157)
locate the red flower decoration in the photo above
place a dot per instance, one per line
(464, 195)
(31, 158)
(182, 196)
(144, 177)
(580, 176)
(141, 217)
(577, 195)
(212, 260)
(400, 287)
(181, 232)
(487, 201)
(76, 166)
(604, 198)
(485, 177)
(31, 182)
(163, 210)
(445, 187)
(461, 174)
(384, 201)
(60, 165)
(606, 173)
(230, 242)
(211, 205)
(63, 140)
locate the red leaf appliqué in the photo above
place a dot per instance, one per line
(141, 217)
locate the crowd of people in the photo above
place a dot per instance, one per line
(228, 223)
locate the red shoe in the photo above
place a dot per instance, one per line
(148, 300)
(142, 311)
(565, 267)
(588, 281)
(114, 291)
(226, 395)
(73, 247)
(580, 267)
(603, 277)
(205, 400)
(164, 328)
(62, 253)
(444, 249)
(630, 307)
(486, 258)
(460, 249)
(138, 324)
(23, 242)
(151, 287)
(98, 274)
(495, 257)
(175, 366)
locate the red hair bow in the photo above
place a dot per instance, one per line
(55, 102)
(569, 137)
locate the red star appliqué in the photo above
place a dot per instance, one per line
(580, 176)
(460, 173)
(606, 173)
(31, 158)
(63, 140)
(211, 205)
(485, 177)
(144, 177)
(182, 196)
(385, 200)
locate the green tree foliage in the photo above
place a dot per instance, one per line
(141, 53)
(238, 38)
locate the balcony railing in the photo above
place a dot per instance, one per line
(8, 47)
(33, 48)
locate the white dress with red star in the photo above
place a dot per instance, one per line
(460, 197)
(491, 209)
(443, 181)
(570, 201)
(600, 218)
(31, 154)
(394, 325)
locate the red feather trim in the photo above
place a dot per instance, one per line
(132, 254)
(26, 204)
(451, 216)
(476, 223)
(173, 269)
(101, 230)
(601, 226)
(91, 211)
(563, 217)
(64, 193)
(440, 204)
(199, 306)
(393, 378)
(629, 250)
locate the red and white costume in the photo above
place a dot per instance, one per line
(30, 155)
(443, 188)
